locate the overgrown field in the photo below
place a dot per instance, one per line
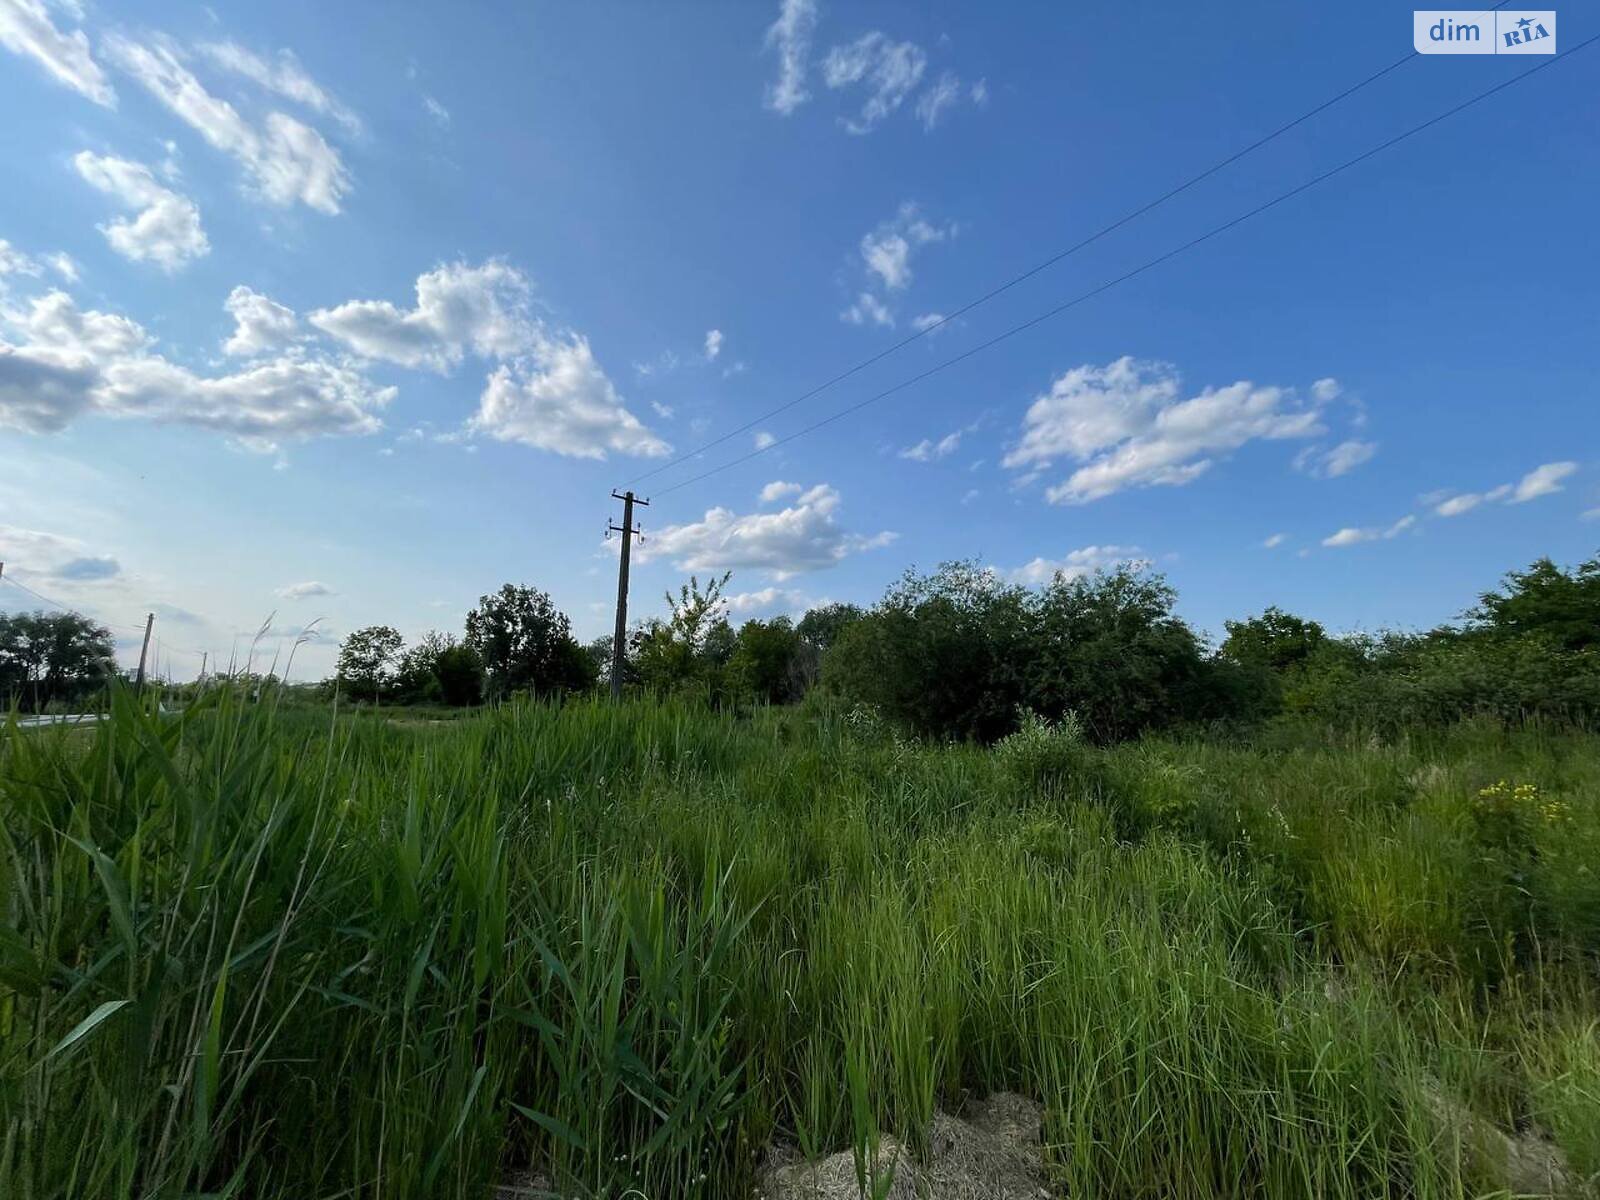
(261, 953)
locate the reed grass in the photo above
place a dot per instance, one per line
(252, 951)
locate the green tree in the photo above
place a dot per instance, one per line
(1544, 600)
(460, 676)
(1109, 647)
(943, 654)
(689, 649)
(525, 644)
(46, 657)
(367, 659)
(762, 666)
(1276, 640)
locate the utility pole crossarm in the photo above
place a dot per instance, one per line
(629, 531)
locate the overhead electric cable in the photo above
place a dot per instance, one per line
(1141, 269)
(1000, 289)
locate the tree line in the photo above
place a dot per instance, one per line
(961, 653)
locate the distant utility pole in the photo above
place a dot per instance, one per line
(149, 623)
(629, 531)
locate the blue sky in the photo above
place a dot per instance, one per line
(350, 313)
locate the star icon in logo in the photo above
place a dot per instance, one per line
(1525, 22)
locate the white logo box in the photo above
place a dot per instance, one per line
(1484, 31)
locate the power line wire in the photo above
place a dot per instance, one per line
(1139, 270)
(1041, 266)
(39, 595)
(80, 613)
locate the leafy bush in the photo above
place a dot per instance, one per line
(1042, 752)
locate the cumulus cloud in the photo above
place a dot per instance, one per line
(26, 29)
(1353, 535)
(764, 439)
(260, 324)
(286, 160)
(778, 489)
(557, 398)
(283, 75)
(803, 536)
(790, 37)
(304, 591)
(887, 253)
(888, 70)
(1339, 460)
(1127, 424)
(459, 307)
(928, 450)
(888, 249)
(868, 308)
(82, 570)
(713, 344)
(1276, 540)
(53, 558)
(166, 228)
(549, 390)
(1543, 480)
(1075, 564)
(66, 362)
(15, 262)
(769, 599)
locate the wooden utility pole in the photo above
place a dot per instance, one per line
(149, 623)
(629, 531)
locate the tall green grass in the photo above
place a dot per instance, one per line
(283, 953)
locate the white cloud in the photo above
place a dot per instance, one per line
(459, 307)
(304, 591)
(53, 559)
(769, 599)
(166, 230)
(439, 113)
(1590, 514)
(1276, 540)
(1542, 481)
(1325, 391)
(557, 398)
(260, 324)
(886, 257)
(713, 344)
(67, 362)
(889, 70)
(928, 450)
(1075, 564)
(285, 76)
(1127, 424)
(945, 94)
(927, 321)
(26, 28)
(15, 262)
(805, 536)
(868, 308)
(764, 439)
(287, 160)
(790, 35)
(887, 250)
(1340, 460)
(1351, 536)
(778, 490)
